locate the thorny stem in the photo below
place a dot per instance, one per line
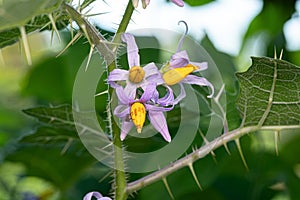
(197, 154)
(124, 22)
(108, 52)
(120, 179)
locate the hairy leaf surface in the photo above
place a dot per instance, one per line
(270, 93)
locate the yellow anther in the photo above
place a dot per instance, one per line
(176, 75)
(136, 74)
(138, 115)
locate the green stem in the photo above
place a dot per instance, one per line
(120, 179)
(108, 52)
(124, 22)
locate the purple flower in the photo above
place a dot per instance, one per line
(179, 70)
(97, 195)
(132, 111)
(136, 76)
(145, 3)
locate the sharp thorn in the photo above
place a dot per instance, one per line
(194, 175)
(207, 142)
(237, 142)
(79, 6)
(71, 27)
(275, 53)
(25, 44)
(54, 26)
(167, 187)
(90, 56)
(217, 98)
(66, 147)
(227, 149)
(101, 93)
(77, 36)
(86, 33)
(214, 158)
(105, 176)
(281, 53)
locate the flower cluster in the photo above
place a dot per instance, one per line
(137, 92)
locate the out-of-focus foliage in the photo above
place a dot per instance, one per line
(33, 15)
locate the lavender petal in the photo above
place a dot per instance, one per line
(179, 59)
(159, 122)
(126, 126)
(132, 50)
(196, 80)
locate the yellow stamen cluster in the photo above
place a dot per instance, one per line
(138, 115)
(136, 74)
(176, 75)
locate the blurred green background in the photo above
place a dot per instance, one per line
(40, 162)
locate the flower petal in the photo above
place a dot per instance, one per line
(179, 59)
(155, 108)
(97, 195)
(126, 126)
(123, 98)
(152, 74)
(149, 92)
(201, 65)
(168, 99)
(132, 50)
(181, 95)
(192, 79)
(178, 2)
(159, 122)
(150, 69)
(122, 111)
(117, 75)
(130, 90)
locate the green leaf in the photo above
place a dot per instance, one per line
(46, 135)
(46, 161)
(34, 15)
(269, 93)
(58, 117)
(17, 13)
(39, 23)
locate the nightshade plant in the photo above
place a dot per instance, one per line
(151, 97)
